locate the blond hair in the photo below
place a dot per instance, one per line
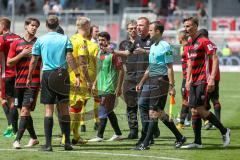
(81, 21)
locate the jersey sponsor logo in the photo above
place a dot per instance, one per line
(210, 47)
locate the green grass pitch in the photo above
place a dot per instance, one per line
(163, 148)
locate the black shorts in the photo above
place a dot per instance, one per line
(184, 91)
(7, 87)
(26, 97)
(154, 93)
(48, 94)
(130, 94)
(198, 95)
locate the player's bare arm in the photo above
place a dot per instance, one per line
(171, 79)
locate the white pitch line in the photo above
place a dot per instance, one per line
(98, 153)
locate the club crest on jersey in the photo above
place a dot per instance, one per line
(148, 42)
(210, 47)
(195, 46)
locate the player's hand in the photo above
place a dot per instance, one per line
(26, 51)
(172, 91)
(139, 87)
(118, 92)
(139, 51)
(187, 86)
(211, 85)
(29, 81)
(77, 81)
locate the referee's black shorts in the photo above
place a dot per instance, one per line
(51, 89)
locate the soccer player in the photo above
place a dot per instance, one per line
(25, 96)
(8, 78)
(157, 81)
(213, 96)
(84, 52)
(183, 40)
(200, 82)
(55, 50)
(109, 86)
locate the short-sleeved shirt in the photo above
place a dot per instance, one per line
(160, 55)
(82, 47)
(184, 59)
(136, 64)
(5, 42)
(107, 68)
(52, 47)
(200, 50)
(217, 78)
(22, 66)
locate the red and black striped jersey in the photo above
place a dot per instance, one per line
(184, 60)
(200, 50)
(5, 42)
(22, 67)
(217, 77)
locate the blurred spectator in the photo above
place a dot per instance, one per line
(226, 51)
(32, 6)
(94, 30)
(46, 8)
(172, 6)
(164, 7)
(57, 8)
(9, 7)
(153, 6)
(22, 11)
(89, 4)
(144, 3)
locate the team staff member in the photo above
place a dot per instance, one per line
(200, 82)
(54, 49)
(129, 92)
(19, 56)
(157, 81)
(8, 77)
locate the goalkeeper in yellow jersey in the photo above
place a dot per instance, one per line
(84, 52)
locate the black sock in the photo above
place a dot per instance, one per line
(31, 129)
(48, 126)
(184, 112)
(212, 119)
(217, 110)
(151, 127)
(14, 118)
(22, 126)
(189, 115)
(65, 123)
(132, 117)
(145, 122)
(172, 127)
(196, 125)
(6, 111)
(114, 123)
(102, 126)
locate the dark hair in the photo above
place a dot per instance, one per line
(91, 28)
(105, 35)
(52, 22)
(31, 19)
(194, 20)
(6, 22)
(158, 26)
(144, 18)
(203, 32)
(60, 30)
